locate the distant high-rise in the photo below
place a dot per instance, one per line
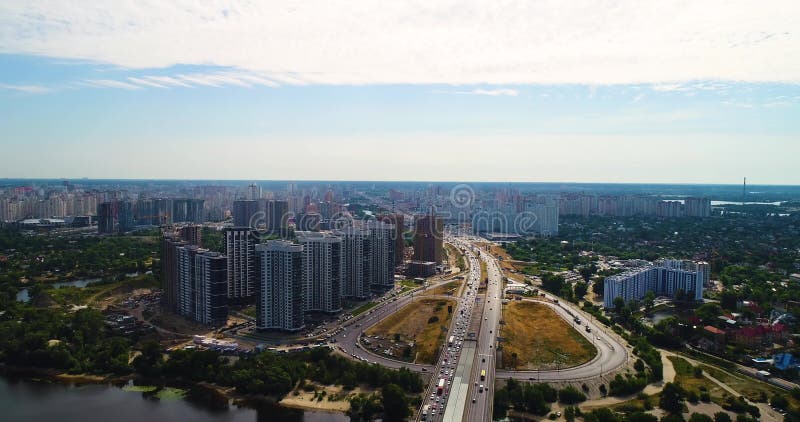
(279, 304)
(246, 213)
(322, 271)
(125, 216)
(428, 235)
(697, 207)
(398, 220)
(106, 218)
(308, 221)
(240, 243)
(195, 211)
(545, 221)
(277, 216)
(192, 234)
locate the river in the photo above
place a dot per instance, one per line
(23, 400)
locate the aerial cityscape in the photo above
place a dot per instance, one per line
(356, 211)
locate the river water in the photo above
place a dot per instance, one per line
(22, 400)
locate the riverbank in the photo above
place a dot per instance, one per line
(214, 395)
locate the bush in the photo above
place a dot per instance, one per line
(570, 395)
(699, 417)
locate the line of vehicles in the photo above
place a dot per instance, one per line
(449, 357)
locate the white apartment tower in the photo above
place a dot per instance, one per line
(240, 243)
(323, 264)
(280, 300)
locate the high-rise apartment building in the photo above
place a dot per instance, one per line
(697, 207)
(380, 255)
(202, 286)
(428, 235)
(106, 218)
(356, 250)
(664, 278)
(192, 234)
(169, 268)
(398, 221)
(277, 216)
(279, 304)
(240, 244)
(246, 213)
(322, 271)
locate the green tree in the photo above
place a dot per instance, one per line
(699, 417)
(672, 398)
(722, 417)
(619, 304)
(395, 403)
(649, 301)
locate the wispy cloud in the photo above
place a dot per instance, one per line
(28, 89)
(777, 103)
(363, 42)
(500, 92)
(110, 83)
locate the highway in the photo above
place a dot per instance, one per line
(482, 390)
(474, 328)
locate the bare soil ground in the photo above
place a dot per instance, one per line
(536, 337)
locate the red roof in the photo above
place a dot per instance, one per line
(713, 330)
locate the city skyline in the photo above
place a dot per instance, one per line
(507, 91)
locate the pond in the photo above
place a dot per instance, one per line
(24, 294)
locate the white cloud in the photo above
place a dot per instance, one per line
(146, 82)
(28, 89)
(450, 41)
(109, 83)
(166, 81)
(500, 92)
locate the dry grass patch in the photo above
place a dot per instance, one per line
(424, 322)
(450, 288)
(685, 375)
(535, 336)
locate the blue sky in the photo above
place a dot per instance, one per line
(245, 91)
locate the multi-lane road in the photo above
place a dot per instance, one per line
(468, 365)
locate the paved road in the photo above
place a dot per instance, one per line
(611, 353)
(482, 390)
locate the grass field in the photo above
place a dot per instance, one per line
(444, 289)
(748, 387)
(364, 308)
(535, 336)
(424, 322)
(684, 374)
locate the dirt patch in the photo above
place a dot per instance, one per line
(446, 289)
(423, 322)
(534, 336)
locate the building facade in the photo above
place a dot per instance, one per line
(246, 213)
(428, 235)
(202, 286)
(323, 265)
(664, 278)
(356, 250)
(279, 304)
(239, 245)
(381, 255)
